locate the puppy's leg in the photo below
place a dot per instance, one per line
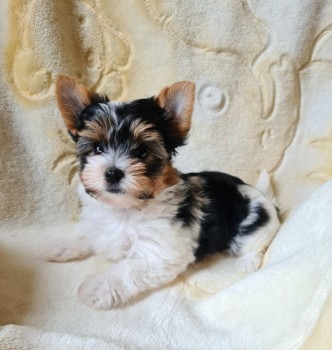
(251, 261)
(256, 232)
(66, 250)
(251, 247)
(125, 279)
(76, 246)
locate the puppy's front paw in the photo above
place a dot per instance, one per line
(250, 263)
(100, 292)
(64, 251)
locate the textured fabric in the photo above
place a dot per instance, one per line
(285, 305)
(263, 71)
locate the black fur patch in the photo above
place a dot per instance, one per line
(262, 219)
(222, 216)
(186, 208)
(146, 109)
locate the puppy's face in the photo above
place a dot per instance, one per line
(125, 148)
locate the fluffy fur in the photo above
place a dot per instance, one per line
(139, 211)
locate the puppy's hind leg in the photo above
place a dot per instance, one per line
(250, 249)
(251, 246)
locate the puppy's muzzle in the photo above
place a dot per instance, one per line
(113, 175)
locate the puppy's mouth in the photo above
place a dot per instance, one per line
(114, 189)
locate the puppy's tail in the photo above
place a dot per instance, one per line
(264, 185)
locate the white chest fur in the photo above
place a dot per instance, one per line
(118, 233)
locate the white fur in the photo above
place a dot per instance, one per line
(148, 246)
(251, 248)
(264, 185)
(93, 177)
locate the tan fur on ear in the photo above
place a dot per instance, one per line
(72, 98)
(178, 99)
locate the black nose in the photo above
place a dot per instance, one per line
(114, 175)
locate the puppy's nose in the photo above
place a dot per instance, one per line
(114, 175)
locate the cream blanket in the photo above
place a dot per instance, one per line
(264, 81)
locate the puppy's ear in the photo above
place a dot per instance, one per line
(178, 101)
(72, 98)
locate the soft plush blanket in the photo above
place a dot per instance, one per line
(263, 71)
(285, 305)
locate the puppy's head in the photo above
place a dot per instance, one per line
(125, 148)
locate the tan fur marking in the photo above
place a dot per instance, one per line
(178, 99)
(170, 177)
(141, 131)
(72, 97)
(97, 130)
(151, 136)
(138, 127)
(152, 187)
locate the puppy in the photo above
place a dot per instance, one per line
(137, 209)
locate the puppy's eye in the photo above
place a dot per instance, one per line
(98, 149)
(141, 152)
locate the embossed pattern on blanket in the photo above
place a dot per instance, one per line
(263, 71)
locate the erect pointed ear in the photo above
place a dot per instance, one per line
(178, 100)
(72, 98)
